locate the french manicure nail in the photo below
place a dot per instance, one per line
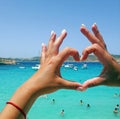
(79, 89)
(52, 32)
(63, 31)
(95, 25)
(43, 44)
(83, 25)
(81, 58)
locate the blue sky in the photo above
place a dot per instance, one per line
(25, 24)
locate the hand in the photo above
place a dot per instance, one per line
(48, 78)
(110, 74)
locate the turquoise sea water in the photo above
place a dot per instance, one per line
(101, 99)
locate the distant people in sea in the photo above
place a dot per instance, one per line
(116, 110)
(88, 105)
(116, 95)
(81, 102)
(62, 112)
(84, 66)
(53, 101)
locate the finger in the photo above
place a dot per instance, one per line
(92, 38)
(43, 54)
(88, 34)
(91, 83)
(103, 56)
(98, 35)
(52, 40)
(65, 53)
(70, 52)
(54, 44)
(60, 39)
(69, 84)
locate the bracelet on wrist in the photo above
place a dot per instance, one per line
(11, 103)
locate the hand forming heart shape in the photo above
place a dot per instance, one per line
(48, 79)
(53, 59)
(110, 74)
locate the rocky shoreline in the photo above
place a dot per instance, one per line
(6, 61)
(91, 58)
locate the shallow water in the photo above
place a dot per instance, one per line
(101, 99)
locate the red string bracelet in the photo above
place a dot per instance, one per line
(17, 108)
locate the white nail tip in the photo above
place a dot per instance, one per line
(79, 89)
(81, 58)
(83, 25)
(94, 24)
(43, 44)
(63, 31)
(52, 32)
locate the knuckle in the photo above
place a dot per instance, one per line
(67, 48)
(95, 46)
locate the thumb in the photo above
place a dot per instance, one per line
(91, 83)
(69, 84)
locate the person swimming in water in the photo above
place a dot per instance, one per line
(116, 110)
(62, 112)
(53, 101)
(81, 102)
(88, 105)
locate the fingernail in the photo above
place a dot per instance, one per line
(83, 25)
(43, 44)
(64, 31)
(81, 58)
(95, 25)
(52, 32)
(79, 89)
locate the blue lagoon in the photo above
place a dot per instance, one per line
(102, 99)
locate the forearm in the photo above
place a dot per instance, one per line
(23, 98)
(117, 72)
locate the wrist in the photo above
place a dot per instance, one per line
(117, 73)
(20, 103)
(23, 95)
